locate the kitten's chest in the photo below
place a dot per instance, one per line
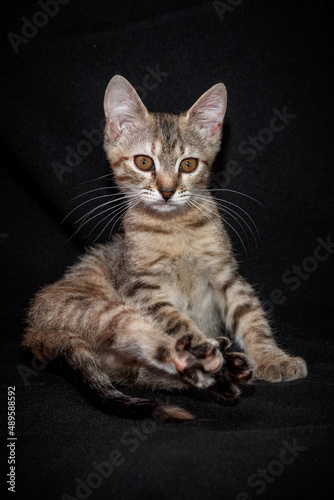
(183, 267)
(186, 273)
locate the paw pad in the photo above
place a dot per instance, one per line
(197, 363)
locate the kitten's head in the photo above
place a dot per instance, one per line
(159, 159)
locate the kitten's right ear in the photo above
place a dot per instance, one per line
(122, 106)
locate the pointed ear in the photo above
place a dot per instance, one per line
(122, 106)
(209, 110)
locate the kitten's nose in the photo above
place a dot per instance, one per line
(167, 193)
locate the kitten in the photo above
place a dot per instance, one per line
(146, 308)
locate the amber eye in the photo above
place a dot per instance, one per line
(144, 162)
(188, 165)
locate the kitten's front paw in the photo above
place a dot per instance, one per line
(197, 364)
(279, 369)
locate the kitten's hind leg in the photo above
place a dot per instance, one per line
(140, 342)
(84, 362)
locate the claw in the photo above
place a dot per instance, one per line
(183, 343)
(202, 351)
(223, 343)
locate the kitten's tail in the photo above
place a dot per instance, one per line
(76, 354)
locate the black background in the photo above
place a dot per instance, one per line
(270, 55)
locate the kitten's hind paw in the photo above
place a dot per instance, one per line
(197, 363)
(235, 371)
(236, 363)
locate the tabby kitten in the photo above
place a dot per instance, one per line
(146, 308)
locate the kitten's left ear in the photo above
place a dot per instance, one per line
(209, 110)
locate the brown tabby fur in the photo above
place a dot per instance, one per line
(145, 309)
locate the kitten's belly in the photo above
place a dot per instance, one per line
(207, 318)
(199, 305)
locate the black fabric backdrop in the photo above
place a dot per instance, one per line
(275, 59)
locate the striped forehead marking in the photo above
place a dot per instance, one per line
(167, 142)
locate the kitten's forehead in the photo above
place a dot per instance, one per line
(168, 141)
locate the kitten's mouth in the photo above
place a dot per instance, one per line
(164, 206)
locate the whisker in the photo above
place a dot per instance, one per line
(113, 212)
(119, 204)
(243, 211)
(92, 190)
(230, 211)
(88, 201)
(84, 222)
(118, 200)
(220, 203)
(233, 229)
(110, 210)
(200, 209)
(134, 203)
(96, 179)
(237, 192)
(123, 210)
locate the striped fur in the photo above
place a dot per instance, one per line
(146, 308)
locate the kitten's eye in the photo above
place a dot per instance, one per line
(188, 165)
(144, 162)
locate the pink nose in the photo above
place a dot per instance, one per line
(167, 193)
